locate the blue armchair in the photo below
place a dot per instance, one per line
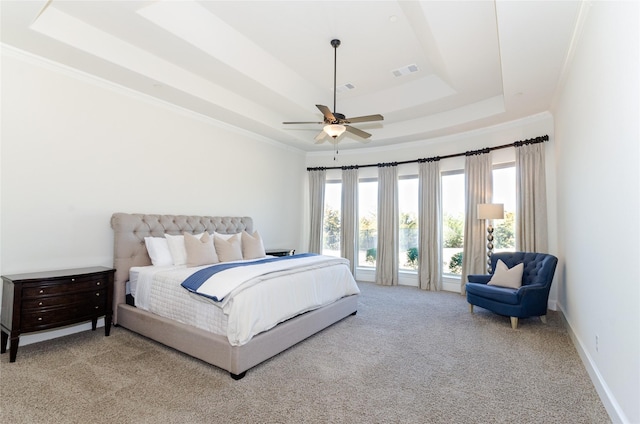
(530, 300)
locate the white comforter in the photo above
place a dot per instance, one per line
(259, 302)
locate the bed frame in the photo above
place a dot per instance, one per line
(130, 250)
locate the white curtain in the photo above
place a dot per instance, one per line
(317, 180)
(349, 217)
(531, 199)
(387, 250)
(429, 220)
(478, 186)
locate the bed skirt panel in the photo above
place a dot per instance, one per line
(216, 350)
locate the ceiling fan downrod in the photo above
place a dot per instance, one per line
(335, 43)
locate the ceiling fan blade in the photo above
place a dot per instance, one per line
(303, 122)
(326, 112)
(367, 118)
(319, 139)
(357, 132)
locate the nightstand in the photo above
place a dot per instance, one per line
(281, 252)
(46, 300)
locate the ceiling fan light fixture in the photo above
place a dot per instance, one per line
(334, 130)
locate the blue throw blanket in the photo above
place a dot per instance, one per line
(195, 280)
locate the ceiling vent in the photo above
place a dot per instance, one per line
(406, 70)
(345, 87)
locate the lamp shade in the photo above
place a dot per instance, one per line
(490, 211)
(334, 130)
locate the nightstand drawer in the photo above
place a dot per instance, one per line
(70, 285)
(95, 297)
(55, 317)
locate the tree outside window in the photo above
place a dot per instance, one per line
(504, 191)
(453, 215)
(408, 224)
(331, 222)
(367, 222)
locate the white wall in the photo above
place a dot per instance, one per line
(75, 150)
(598, 156)
(531, 127)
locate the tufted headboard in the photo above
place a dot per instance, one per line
(130, 230)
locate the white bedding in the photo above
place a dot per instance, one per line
(249, 310)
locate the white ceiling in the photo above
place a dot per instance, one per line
(255, 64)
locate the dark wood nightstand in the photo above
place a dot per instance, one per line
(280, 252)
(45, 300)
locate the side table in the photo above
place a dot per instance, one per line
(280, 252)
(45, 300)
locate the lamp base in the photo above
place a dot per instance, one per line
(489, 248)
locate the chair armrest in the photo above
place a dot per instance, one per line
(533, 291)
(479, 278)
(533, 299)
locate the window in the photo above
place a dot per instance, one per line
(408, 230)
(367, 222)
(453, 215)
(332, 211)
(504, 191)
(452, 221)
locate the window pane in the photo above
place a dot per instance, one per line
(332, 208)
(452, 222)
(408, 234)
(367, 223)
(504, 191)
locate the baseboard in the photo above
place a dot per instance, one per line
(616, 413)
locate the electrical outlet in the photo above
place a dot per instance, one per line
(597, 342)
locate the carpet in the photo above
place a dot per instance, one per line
(408, 356)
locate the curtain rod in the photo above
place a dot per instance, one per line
(536, 140)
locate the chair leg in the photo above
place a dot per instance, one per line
(514, 322)
(543, 318)
(470, 308)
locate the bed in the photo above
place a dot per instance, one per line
(130, 252)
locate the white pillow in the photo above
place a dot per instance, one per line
(225, 236)
(229, 249)
(200, 251)
(252, 247)
(505, 277)
(177, 248)
(158, 250)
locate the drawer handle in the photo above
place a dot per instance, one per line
(41, 291)
(97, 294)
(96, 307)
(73, 279)
(39, 318)
(98, 283)
(39, 303)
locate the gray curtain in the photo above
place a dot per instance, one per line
(317, 180)
(478, 187)
(531, 199)
(429, 220)
(349, 216)
(387, 251)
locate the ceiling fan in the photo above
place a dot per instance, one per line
(336, 123)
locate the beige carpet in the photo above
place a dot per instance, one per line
(408, 356)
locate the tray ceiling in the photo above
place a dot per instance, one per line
(254, 64)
